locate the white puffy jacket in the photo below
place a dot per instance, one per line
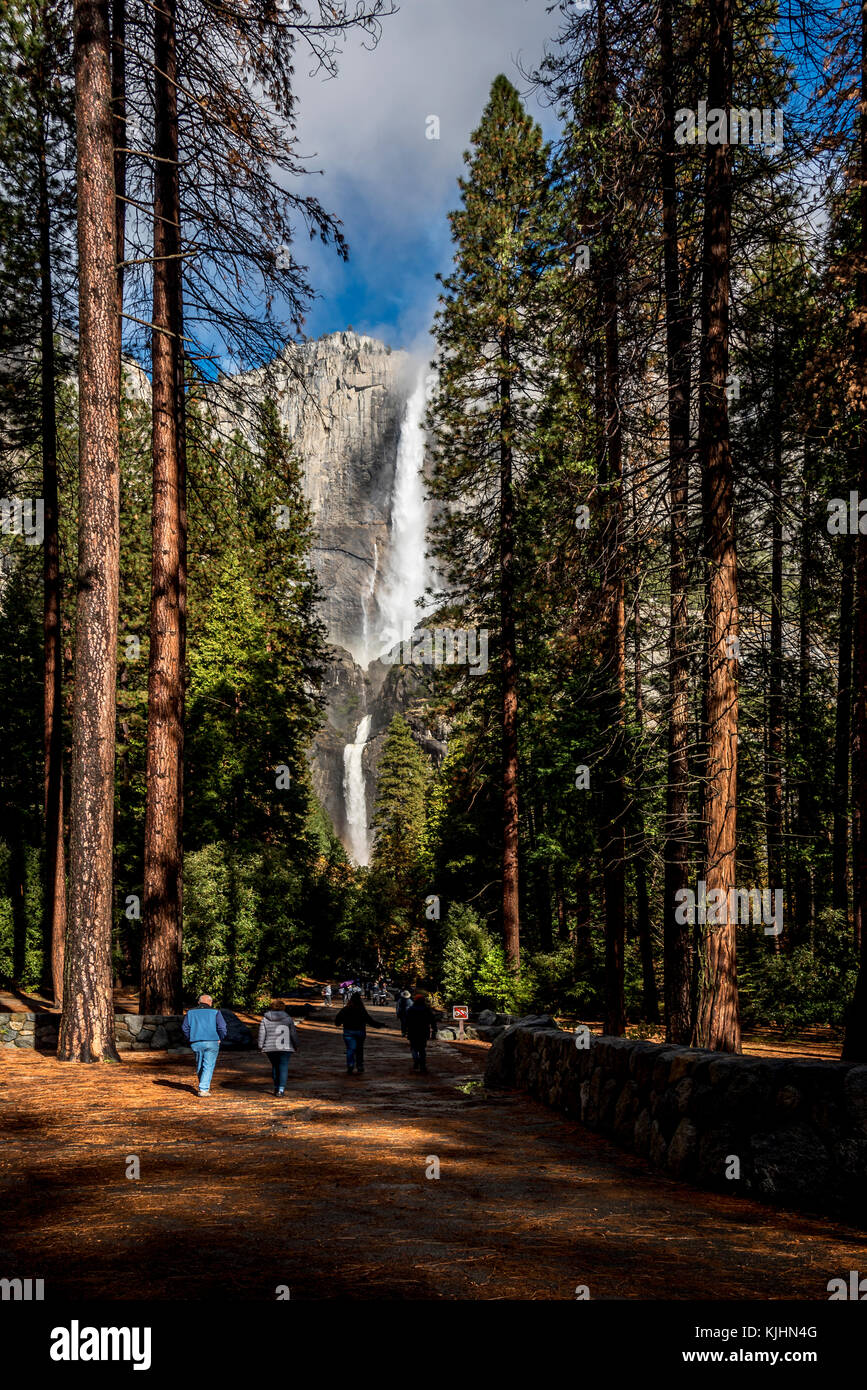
(277, 1032)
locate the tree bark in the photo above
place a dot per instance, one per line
(855, 1045)
(650, 1002)
(843, 716)
(717, 1016)
(614, 645)
(677, 937)
(162, 908)
(87, 1021)
(774, 763)
(804, 827)
(55, 866)
(560, 899)
(509, 660)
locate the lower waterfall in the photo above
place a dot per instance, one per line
(354, 794)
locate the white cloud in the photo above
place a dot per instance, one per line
(390, 185)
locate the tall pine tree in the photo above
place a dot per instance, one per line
(488, 333)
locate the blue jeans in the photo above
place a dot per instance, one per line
(206, 1060)
(354, 1039)
(279, 1068)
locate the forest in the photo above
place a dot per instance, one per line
(646, 468)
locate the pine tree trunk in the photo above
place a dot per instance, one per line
(855, 1046)
(774, 763)
(842, 729)
(87, 1021)
(511, 914)
(162, 907)
(55, 866)
(677, 937)
(560, 899)
(614, 644)
(804, 826)
(650, 1003)
(717, 1016)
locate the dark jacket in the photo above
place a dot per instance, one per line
(203, 1025)
(354, 1018)
(421, 1023)
(402, 1008)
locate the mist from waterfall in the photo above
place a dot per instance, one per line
(406, 572)
(354, 794)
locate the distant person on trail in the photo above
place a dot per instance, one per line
(421, 1028)
(355, 1018)
(204, 1027)
(278, 1040)
(326, 995)
(404, 1003)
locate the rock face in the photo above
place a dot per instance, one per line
(344, 402)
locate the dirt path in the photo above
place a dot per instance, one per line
(325, 1191)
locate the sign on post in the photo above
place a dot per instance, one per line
(460, 1012)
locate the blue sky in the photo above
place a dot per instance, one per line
(390, 185)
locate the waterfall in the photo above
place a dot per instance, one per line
(403, 581)
(354, 794)
(368, 598)
(407, 571)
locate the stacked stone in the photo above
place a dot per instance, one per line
(18, 1030)
(776, 1129)
(149, 1032)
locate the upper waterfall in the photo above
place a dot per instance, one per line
(406, 572)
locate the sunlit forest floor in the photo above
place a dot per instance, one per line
(325, 1192)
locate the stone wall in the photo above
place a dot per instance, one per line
(795, 1131)
(134, 1032)
(146, 1032)
(18, 1030)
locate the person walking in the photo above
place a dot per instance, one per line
(326, 995)
(404, 1003)
(354, 1019)
(204, 1027)
(421, 1028)
(278, 1039)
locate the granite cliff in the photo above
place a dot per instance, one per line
(353, 407)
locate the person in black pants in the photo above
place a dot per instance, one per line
(278, 1040)
(421, 1026)
(354, 1018)
(404, 1004)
